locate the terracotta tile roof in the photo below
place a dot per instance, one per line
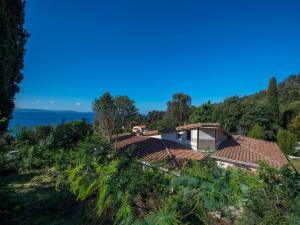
(155, 150)
(198, 125)
(245, 150)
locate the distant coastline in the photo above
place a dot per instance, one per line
(48, 110)
(37, 117)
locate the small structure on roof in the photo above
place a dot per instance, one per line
(139, 129)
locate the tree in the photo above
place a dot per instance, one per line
(258, 113)
(166, 124)
(286, 141)
(179, 109)
(13, 37)
(153, 118)
(104, 110)
(126, 113)
(113, 115)
(257, 132)
(272, 97)
(203, 113)
(290, 113)
(229, 113)
(294, 126)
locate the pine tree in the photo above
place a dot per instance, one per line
(272, 97)
(13, 37)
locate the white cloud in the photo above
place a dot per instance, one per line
(51, 102)
(78, 103)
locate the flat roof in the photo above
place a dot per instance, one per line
(199, 125)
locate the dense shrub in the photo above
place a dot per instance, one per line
(116, 188)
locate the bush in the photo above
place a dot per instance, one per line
(286, 141)
(294, 126)
(257, 132)
(69, 134)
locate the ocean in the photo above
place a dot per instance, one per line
(36, 117)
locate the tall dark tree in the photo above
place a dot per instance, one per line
(13, 37)
(179, 109)
(272, 96)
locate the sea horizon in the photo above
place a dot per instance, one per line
(37, 117)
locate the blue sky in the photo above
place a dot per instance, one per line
(149, 50)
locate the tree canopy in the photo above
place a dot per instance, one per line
(114, 115)
(179, 108)
(272, 97)
(256, 132)
(13, 37)
(203, 113)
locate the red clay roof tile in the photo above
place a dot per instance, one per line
(155, 150)
(250, 150)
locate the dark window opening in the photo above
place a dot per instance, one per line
(188, 135)
(179, 136)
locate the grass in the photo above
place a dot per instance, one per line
(31, 198)
(296, 164)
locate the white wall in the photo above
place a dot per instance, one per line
(169, 136)
(206, 135)
(158, 136)
(166, 136)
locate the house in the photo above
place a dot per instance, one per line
(149, 149)
(198, 136)
(227, 150)
(139, 129)
(199, 141)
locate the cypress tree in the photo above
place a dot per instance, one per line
(272, 97)
(13, 37)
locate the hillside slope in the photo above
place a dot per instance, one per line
(289, 89)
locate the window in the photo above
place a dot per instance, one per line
(188, 135)
(179, 136)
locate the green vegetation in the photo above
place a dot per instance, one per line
(272, 97)
(89, 183)
(203, 113)
(114, 115)
(256, 132)
(286, 141)
(179, 108)
(12, 41)
(294, 126)
(153, 118)
(31, 198)
(277, 107)
(72, 174)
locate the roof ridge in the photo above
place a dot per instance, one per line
(271, 142)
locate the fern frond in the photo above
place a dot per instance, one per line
(101, 201)
(124, 214)
(163, 217)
